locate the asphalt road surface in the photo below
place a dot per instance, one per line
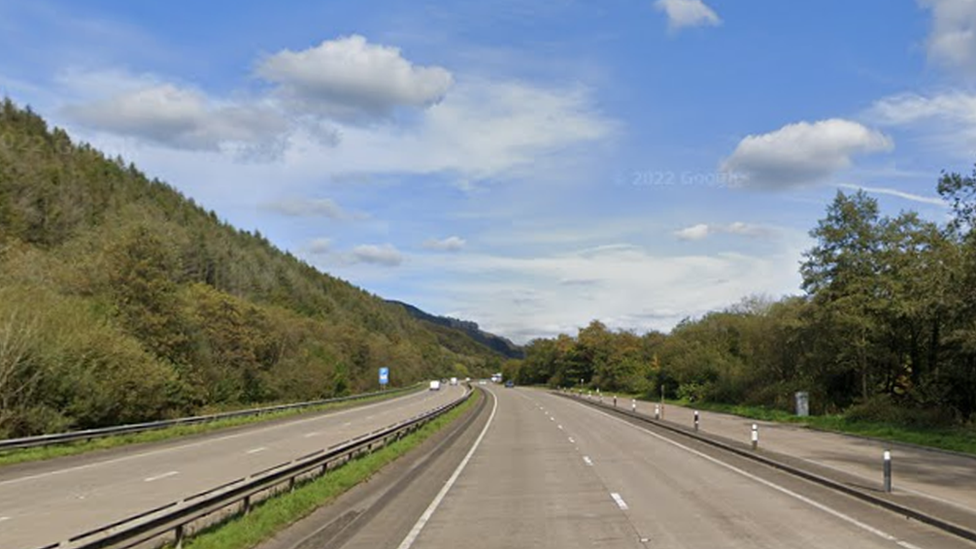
(544, 471)
(48, 502)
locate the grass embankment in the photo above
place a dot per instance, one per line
(274, 514)
(11, 457)
(958, 439)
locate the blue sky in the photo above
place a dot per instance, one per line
(527, 165)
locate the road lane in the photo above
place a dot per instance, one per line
(679, 496)
(602, 482)
(102, 490)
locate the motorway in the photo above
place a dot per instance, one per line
(538, 470)
(48, 502)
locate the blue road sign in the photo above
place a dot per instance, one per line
(384, 376)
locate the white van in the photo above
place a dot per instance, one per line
(454, 381)
(435, 385)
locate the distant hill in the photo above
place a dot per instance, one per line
(123, 300)
(494, 342)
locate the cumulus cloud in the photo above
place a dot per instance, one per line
(384, 254)
(315, 207)
(952, 39)
(802, 154)
(183, 118)
(688, 13)
(704, 230)
(350, 79)
(449, 244)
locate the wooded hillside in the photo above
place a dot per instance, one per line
(122, 300)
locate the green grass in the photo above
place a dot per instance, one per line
(959, 439)
(11, 457)
(274, 514)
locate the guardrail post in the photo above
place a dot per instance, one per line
(696, 420)
(247, 505)
(887, 471)
(755, 436)
(178, 537)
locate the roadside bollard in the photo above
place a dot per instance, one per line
(755, 436)
(633, 405)
(657, 411)
(614, 401)
(696, 420)
(887, 471)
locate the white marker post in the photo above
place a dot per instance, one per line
(633, 405)
(887, 471)
(696, 420)
(614, 401)
(755, 436)
(657, 411)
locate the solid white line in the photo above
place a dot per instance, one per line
(424, 518)
(162, 476)
(829, 510)
(256, 450)
(620, 501)
(588, 460)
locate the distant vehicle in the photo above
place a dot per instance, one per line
(482, 382)
(510, 384)
(496, 378)
(435, 385)
(454, 381)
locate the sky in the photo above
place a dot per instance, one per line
(530, 166)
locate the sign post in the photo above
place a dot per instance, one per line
(384, 377)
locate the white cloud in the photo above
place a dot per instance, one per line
(449, 244)
(695, 232)
(946, 120)
(384, 254)
(626, 286)
(483, 130)
(179, 117)
(802, 154)
(350, 79)
(688, 13)
(314, 207)
(319, 246)
(703, 230)
(952, 40)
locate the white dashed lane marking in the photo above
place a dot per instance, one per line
(588, 460)
(162, 476)
(256, 450)
(620, 501)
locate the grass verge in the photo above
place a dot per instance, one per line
(274, 514)
(11, 457)
(958, 439)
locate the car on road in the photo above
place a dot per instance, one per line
(510, 384)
